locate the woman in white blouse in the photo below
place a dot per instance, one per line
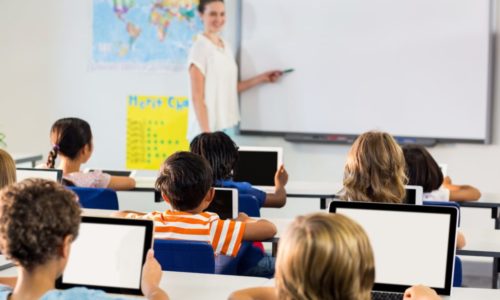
(214, 76)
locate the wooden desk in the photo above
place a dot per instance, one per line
(20, 158)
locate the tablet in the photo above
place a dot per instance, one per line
(108, 255)
(49, 174)
(125, 173)
(225, 203)
(258, 165)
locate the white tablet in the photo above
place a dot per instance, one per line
(414, 194)
(108, 254)
(49, 174)
(225, 203)
(258, 165)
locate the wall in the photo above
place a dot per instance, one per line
(45, 54)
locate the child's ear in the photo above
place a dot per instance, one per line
(66, 246)
(209, 197)
(165, 198)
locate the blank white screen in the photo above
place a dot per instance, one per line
(412, 68)
(25, 174)
(106, 255)
(410, 248)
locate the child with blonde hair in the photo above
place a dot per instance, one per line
(327, 257)
(7, 169)
(375, 170)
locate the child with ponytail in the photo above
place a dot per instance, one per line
(71, 140)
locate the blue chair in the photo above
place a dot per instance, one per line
(249, 204)
(96, 198)
(185, 256)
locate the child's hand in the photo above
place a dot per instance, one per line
(420, 292)
(242, 217)
(151, 275)
(447, 181)
(281, 177)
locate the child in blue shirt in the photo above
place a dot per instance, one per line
(222, 154)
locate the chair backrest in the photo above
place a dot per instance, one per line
(185, 256)
(248, 204)
(96, 198)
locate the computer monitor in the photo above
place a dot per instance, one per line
(49, 174)
(258, 165)
(225, 203)
(412, 244)
(108, 254)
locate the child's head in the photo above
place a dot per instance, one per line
(38, 221)
(185, 180)
(70, 137)
(325, 256)
(219, 150)
(422, 169)
(7, 169)
(375, 169)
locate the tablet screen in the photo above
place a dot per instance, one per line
(108, 256)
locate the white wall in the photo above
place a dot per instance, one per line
(44, 57)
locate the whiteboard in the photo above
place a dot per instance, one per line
(414, 68)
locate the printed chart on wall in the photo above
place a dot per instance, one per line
(143, 34)
(156, 128)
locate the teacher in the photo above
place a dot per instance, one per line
(214, 76)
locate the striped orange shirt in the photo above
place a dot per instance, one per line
(224, 235)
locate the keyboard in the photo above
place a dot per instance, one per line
(378, 295)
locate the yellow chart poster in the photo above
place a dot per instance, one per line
(156, 128)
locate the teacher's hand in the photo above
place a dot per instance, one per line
(270, 76)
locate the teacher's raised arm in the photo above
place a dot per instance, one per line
(214, 75)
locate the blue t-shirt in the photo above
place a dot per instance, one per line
(244, 188)
(70, 294)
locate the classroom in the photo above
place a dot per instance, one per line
(314, 76)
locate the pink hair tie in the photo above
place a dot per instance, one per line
(56, 147)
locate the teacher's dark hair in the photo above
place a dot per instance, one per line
(203, 4)
(422, 169)
(219, 150)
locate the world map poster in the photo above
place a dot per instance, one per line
(143, 34)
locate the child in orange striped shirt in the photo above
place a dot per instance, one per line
(185, 182)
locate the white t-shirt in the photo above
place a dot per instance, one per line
(443, 194)
(221, 85)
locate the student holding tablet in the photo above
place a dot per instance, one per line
(214, 75)
(423, 170)
(222, 154)
(71, 140)
(39, 220)
(7, 169)
(325, 256)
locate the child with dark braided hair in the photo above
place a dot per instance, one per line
(71, 140)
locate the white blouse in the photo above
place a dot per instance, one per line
(219, 68)
(443, 194)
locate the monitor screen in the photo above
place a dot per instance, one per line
(49, 174)
(108, 256)
(411, 195)
(224, 203)
(417, 241)
(256, 167)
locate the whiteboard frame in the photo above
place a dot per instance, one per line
(341, 138)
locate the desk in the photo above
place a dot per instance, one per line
(485, 243)
(488, 201)
(297, 189)
(20, 158)
(180, 285)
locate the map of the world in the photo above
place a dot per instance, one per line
(143, 34)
